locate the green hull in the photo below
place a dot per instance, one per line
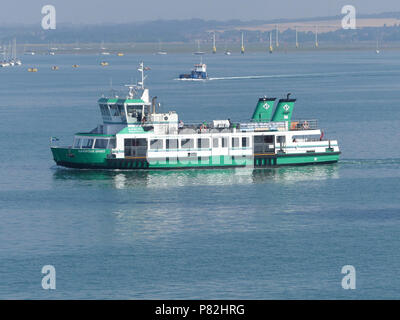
(99, 159)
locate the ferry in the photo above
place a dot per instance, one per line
(199, 72)
(135, 135)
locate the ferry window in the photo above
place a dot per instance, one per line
(112, 144)
(245, 142)
(121, 110)
(87, 143)
(215, 142)
(203, 143)
(135, 112)
(172, 144)
(77, 143)
(101, 144)
(114, 111)
(156, 144)
(187, 143)
(104, 110)
(281, 139)
(235, 142)
(224, 142)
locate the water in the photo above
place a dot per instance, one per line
(262, 234)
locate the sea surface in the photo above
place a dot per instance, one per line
(282, 233)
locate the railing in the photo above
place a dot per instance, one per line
(304, 124)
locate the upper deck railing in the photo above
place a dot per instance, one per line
(205, 127)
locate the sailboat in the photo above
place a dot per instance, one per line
(276, 37)
(16, 61)
(271, 49)
(297, 38)
(316, 37)
(214, 49)
(198, 52)
(377, 47)
(242, 47)
(160, 51)
(103, 49)
(227, 51)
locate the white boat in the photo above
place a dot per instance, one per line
(160, 50)
(198, 52)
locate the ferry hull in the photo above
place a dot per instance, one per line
(99, 159)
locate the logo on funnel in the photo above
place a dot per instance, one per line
(286, 107)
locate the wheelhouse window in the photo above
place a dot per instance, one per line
(172, 143)
(187, 143)
(135, 113)
(77, 143)
(101, 144)
(156, 144)
(112, 143)
(114, 110)
(87, 143)
(203, 143)
(121, 110)
(105, 112)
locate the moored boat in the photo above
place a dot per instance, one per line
(135, 135)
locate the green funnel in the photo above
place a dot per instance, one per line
(264, 108)
(284, 109)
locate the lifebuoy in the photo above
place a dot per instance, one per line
(306, 125)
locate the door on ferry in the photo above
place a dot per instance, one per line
(264, 144)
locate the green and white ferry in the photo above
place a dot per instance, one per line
(134, 135)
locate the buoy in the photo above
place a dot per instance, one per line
(104, 63)
(120, 54)
(75, 66)
(32, 69)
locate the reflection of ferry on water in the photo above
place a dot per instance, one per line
(198, 73)
(135, 135)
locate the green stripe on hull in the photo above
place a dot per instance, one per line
(99, 159)
(307, 159)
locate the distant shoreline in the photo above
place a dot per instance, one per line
(176, 48)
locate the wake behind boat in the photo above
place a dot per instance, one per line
(134, 135)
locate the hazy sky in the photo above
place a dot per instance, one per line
(100, 11)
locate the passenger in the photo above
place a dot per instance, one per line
(181, 124)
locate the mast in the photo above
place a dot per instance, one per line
(242, 48)
(143, 77)
(214, 49)
(270, 42)
(276, 36)
(297, 39)
(316, 36)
